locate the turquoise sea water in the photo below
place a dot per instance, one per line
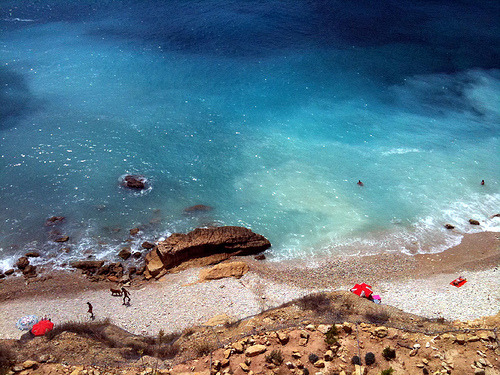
(268, 111)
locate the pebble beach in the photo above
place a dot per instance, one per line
(419, 285)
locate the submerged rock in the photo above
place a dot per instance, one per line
(53, 220)
(474, 222)
(198, 208)
(134, 182)
(449, 226)
(203, 242)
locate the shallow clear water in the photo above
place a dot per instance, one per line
(268, 111)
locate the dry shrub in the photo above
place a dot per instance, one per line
(162, 338)
(377, 317)
(202, 348)
(276, 357)
(6, 359)
(188, 331)
(94, 330)
(169, 338)
(231, 324)
(162, 346)
(331, 336)
(389, 353)
(313, 358)
(167, 351)
(317, 302)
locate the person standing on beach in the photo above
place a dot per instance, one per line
(91, 311)
(126, 295)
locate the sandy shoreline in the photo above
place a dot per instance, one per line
(416, 284)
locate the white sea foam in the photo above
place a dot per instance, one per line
(400, 151)
(18, 20)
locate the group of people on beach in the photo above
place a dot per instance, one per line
(126, 302)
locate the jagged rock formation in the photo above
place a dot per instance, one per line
(203, 242)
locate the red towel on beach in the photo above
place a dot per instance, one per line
(458, 282)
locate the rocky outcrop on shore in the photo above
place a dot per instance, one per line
(97, 270)
(203, 242)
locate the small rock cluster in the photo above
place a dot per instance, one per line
(97, 270)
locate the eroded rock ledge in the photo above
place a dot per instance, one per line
(202, 242)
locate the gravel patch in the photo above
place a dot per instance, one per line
(171, 304)
(434, 297)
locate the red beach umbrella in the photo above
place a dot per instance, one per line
(42, 327)
(362, 290)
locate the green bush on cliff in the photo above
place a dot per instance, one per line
(331, 336)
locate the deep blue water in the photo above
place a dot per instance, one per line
(268, 111)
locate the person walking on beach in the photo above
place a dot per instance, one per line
(91, 311)
(126, 296)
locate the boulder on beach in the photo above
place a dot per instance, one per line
(29, 271)
(147, 245)
(125, 253)
(87, 264)
(134, 182)
(203, 242)
(220, 271)
(22, 263)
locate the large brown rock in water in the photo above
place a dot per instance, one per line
(134, 182)
(203, 242)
